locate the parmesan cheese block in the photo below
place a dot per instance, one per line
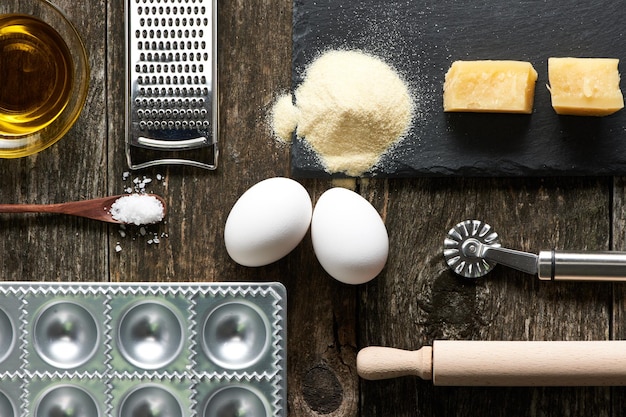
(585, 86)
(490, 87)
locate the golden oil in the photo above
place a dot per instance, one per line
(36, 75)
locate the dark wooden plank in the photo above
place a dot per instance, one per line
(199, 200)
(618, 323)
(254, 47)
(418, 301)
(41, 247)
(322, 335)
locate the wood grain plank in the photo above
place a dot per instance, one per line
(322, 337)
(416, 302)
(618, 322)
(254, 53)
(42, 247)
(199, 200)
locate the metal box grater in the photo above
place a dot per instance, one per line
(171, 83)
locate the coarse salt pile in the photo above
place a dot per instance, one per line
(138, 209)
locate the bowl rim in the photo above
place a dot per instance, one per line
(47, 136)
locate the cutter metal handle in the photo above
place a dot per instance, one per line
(472, 249)
(581, 266)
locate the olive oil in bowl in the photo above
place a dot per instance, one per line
(36, 75)
(44, 76)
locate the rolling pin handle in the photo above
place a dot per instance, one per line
(375, 362)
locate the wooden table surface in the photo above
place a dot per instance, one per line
(413, 302)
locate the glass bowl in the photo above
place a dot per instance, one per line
(44, 76)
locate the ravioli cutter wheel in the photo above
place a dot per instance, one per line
(472, 249)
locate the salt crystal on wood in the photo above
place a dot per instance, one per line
(138, 209)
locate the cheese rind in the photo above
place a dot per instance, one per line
(489, 86)
(585, 86)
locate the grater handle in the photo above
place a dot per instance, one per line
(582, 266)
(173, 145)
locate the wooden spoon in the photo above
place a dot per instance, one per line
(96, 209)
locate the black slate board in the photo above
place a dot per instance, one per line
(422, 38)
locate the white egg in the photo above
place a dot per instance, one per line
(349, 237)
(267, 222)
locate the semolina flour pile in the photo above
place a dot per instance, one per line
(351, 108)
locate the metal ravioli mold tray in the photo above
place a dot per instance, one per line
(128, 350)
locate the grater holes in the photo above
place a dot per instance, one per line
(172, 91)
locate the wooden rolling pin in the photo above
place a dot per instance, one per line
(492, 363)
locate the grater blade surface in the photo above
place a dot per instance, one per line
(171, 83)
